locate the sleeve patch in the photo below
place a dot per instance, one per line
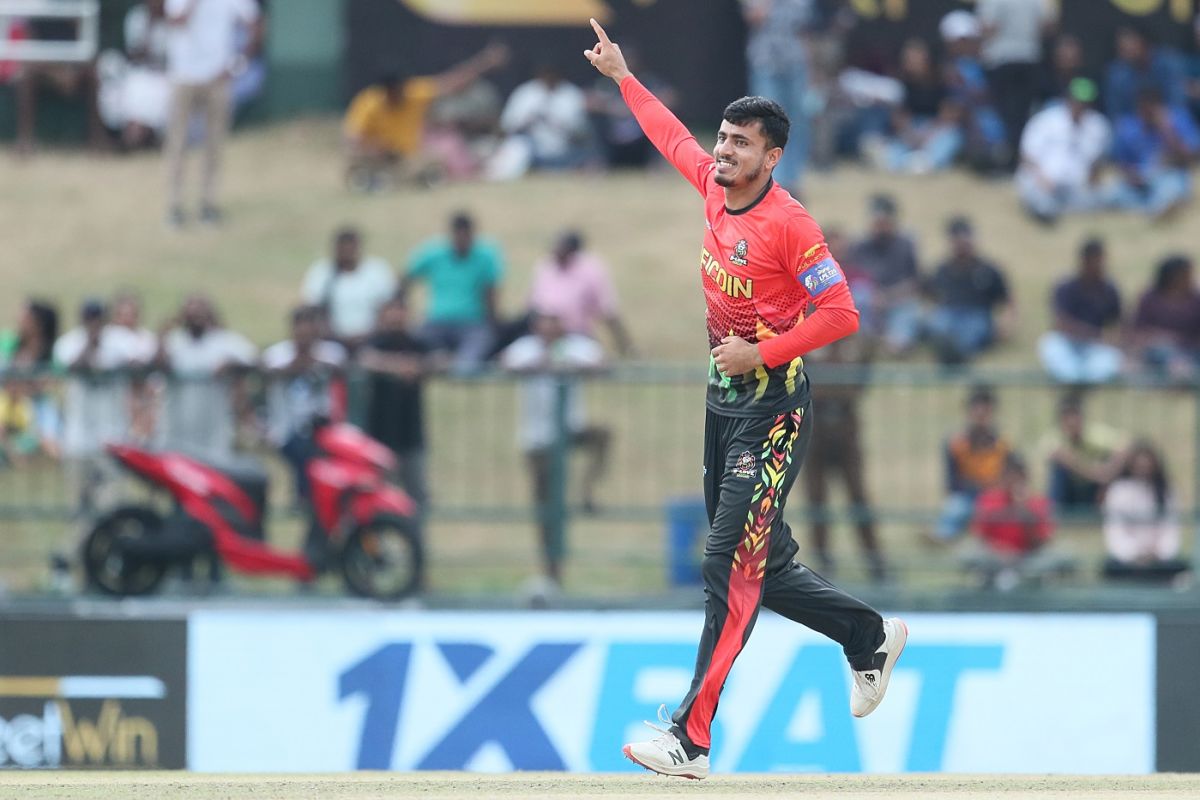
(821, 276)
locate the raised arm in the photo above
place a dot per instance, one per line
(662, 127)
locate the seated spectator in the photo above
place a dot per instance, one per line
(24, 431)
(986, 140)
(463, 128)
(1083, 457)
(1062, 151)
(1154, 151)
(384, 126)
(972, 307)
(30, 346)
(625, 144)
(1087, 313)
(133, 91)
(1014, 527)
(204, 393)
(1166, 326)
(574, 286)
(1066, 63)
(1140, 64)
(975, 459)
(73, 80)
(397, 363)
(835, 452)
(889, 257)
(461, 273)
(349, 287)
(547, 355)
(1141, 521)
(300, 372)
(862, 287)
(546, 124)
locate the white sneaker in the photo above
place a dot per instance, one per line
(665, 754)
(871, 684)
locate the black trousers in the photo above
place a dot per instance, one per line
(749, 468)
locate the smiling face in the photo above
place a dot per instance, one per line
(743, 154)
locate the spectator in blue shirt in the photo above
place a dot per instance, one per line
(1154, 149)
(461, 274)
(1138, 65)
(1081, 348)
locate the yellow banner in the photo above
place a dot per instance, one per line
(510, 12)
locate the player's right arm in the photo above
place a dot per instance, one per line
(663, 128)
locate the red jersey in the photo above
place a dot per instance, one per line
(1012, 529)
(761, 267)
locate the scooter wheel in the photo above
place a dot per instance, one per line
(383, 559)
(109, 569)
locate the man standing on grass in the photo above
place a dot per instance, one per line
(763, 262)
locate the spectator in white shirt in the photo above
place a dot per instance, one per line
(133, 91)
(350, 288)
(1141, 520)
(1062, 150)
(300, 372)
(547, 126)
(202, 58)
(96, 401)
(143, 393)
(549, 355)
(203, 359)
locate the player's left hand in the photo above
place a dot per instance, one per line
(735, 356)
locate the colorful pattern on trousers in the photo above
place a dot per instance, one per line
(747, 572)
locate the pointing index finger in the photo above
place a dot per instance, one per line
(600, 32)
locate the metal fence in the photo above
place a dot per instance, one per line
(482, 508)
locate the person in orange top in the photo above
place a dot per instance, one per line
(975, 459)
(385, 123)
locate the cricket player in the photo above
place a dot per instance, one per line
(764, 261)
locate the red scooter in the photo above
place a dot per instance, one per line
(358, 522)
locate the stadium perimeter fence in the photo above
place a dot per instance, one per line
(483, 518)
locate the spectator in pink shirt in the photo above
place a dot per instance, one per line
(574, 286)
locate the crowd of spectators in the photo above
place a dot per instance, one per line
(198, 387)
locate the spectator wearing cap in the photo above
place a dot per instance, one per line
(972, 307)
(1155, 149)
(349, 287)
(1062, 151)
(1087, 314)
(987, 145)
(889, 258)
(1139, 65)
(573, 285)
(462, 273)
(384, 127)
(1012, 55)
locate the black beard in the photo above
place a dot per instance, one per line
(751, 177)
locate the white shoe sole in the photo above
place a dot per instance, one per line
(628, 754)
(886, 673)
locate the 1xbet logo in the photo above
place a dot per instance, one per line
(466, 705)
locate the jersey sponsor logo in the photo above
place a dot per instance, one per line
(739, 253)
(746, 466)
(732, 285)
(821, 276)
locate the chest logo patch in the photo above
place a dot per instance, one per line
(739, 253)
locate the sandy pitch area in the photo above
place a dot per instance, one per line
(387, 786)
